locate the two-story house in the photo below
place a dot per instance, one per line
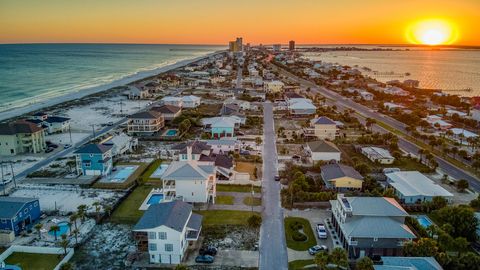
(223, 126)
(165, 230)
(321, 128)
(94, 159)
(368, 226)
(21, 137)
(145, 123)
(190, 180)
(169, 112)
(18, 214)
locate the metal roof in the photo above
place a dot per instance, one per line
(414, 183)
(9, 206)
(94, 149)
(334, 171)
(174, 214)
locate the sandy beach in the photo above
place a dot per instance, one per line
(19, 111)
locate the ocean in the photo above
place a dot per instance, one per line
(34, 73)
(451, 70)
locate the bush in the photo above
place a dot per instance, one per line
(298, 236)
(254, 221)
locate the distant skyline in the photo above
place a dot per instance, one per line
(217, 22)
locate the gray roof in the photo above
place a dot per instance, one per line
(323, 146)
(334, 171)
(408, 263)
(197, 147)
(174, 214)
(376, 206)
(323, 120)
(9, 206)
(413, 183)
(146, 115)
(195, 222)
(94, 149)
(167, 109)
(187, 170)
(376, 227)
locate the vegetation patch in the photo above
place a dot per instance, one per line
(224, 200)
(34, 261)
(299, 264)
(127, 212)
(299, 234)
(252, 201)
(246, 167)
(238, 188)
(225, 217)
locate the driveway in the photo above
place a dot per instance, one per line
(273, 249)
(239, 258)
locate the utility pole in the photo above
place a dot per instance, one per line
(13, 175)
(93, 130)
(70, 133)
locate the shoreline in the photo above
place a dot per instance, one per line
(142, 75)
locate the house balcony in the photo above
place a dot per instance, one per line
(169, 188)
(352, 243)
(192, 235)
(309, 132)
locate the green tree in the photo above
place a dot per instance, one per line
(38, 227)
(254, 221)
(55, 229)
(462, 185)
(461, 219)
(339, 257)
(64, 243)
(97, 206)
(321, 259)
(82, 212)
(364, 263)
(424, 247)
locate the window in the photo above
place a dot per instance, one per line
(168, 247)
(4, 220)
(162, 235)
(25, 210)
(375, 239)
(152, 235)
(152, 247)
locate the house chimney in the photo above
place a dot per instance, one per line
(189, 153)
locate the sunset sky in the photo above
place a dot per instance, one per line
(217, 21)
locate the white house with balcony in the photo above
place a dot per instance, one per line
(165, 230)
(190, 180)
(321, 128)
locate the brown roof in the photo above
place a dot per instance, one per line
(167, 109)
(20, 126)
(146, 115)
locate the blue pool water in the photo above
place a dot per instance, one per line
(63, 229)
(11, 267)
(159, 171)
(424, 221)
(171, 132)
(122, 174)
(155, 198)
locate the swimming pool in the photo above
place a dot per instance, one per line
(11, 267)
(159, 171)
(155, 198)
(122, 174)
(424, 221)
(171, 133)
(63, 229)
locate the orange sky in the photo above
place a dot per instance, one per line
(217, 21)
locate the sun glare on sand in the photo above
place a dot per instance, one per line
(432, 32)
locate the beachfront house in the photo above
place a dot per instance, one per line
(191, 101)
(145, 123)
(120, 143)
(135, 92)
(322, 151)
(94, 159)
(378, 155)
(223, 146)
(321, 128)
(220, 127)
(301, 107)
(369, 226)
(173, 101)
(57, 124)
(341, 177)
(21, 137)
(273, 86)
(165, 231)
(169, 112)
(18, 214)
(413, 187)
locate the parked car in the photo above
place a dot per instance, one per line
(204, 259)
(316, 249)
(48, 150)
(277, 178)
(50, 144)
(209, 250)
(321, 231)
(110, 124)
(66, 146)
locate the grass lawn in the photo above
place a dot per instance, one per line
(245, 167)
(225, 217)
(150, 170)
(224, 200)
(127, 211)
(307, 230)
(238, 188)
(299, 264)
(33, 261)
(252, 201)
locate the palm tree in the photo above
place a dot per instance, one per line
(55, 229)
(97, 209)
(73, 220)
(339, 257)
(81, 212)
(64, 243)
(75, 233)
(107, 209)
(321, 259)
(38, 227)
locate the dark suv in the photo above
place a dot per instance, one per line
(209, 250)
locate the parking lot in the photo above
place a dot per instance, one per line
(315, 216)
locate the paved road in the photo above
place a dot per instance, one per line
(273, 249)
(404, 144)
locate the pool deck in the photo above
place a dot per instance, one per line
(154, 191)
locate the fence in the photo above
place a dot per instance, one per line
(38, 250)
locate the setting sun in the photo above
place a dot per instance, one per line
(432, 32)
